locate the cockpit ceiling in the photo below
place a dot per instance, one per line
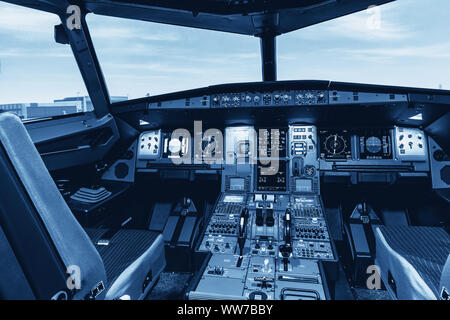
(250, 17)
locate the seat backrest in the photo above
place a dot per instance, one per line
(445, 281)
(45, 243)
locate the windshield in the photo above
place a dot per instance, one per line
(38, 77)
(403, 43)
(142, 58)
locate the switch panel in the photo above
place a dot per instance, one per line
(310, 229)
(218, 244)
(304, 164)
(149, 145)
(264, 248)
(313, 250)
(303, 142)
(410, 144)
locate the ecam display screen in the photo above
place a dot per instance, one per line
(274, 182)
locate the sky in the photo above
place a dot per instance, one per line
(404, 43)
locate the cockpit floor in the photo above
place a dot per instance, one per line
(171, 286)
(366, 294)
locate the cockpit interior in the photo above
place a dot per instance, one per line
(267, 190)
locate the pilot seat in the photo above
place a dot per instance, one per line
(45, 252)
(414, 261)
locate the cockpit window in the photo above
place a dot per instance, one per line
(39, 78)
(402, 43)
(141, 58)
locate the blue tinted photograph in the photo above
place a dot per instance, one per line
(226, 155)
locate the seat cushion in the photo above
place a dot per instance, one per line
(128, 259)
(414, 258)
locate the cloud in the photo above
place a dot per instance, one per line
(235, 58)
(35, 53)
(132, 33)
(429, 52)
(153, 67)
(20, 19)
(378, 25)
(358, 26)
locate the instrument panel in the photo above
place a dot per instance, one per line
(272, 98)
(362, 144)
(296, 154)
(335, 144)
(272, 178)
(281, 94)
(375, 144)
(276, 248)
(272, 139)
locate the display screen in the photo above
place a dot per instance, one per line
(303, 185)
(370, 144)
(335, 144)
(233, 199)
(237, 184)
(275, 182)
(265, 147)
(175, 147)
(375, 144)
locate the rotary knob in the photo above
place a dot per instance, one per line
(310, 171)
(299, 98)
(321, 97)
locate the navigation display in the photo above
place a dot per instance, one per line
(275, 182)
(335, 144)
